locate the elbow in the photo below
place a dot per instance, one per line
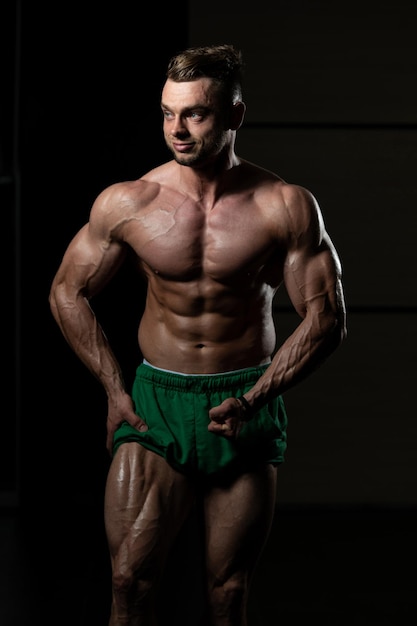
(59, 299)
(55, 297)
(52, 301)
(330, 329)
(337, 330)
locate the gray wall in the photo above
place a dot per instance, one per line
(332, 105)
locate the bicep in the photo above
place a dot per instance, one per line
(312, 269)
(88, 263)
(312, 276)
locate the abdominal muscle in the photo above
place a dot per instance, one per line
(200, 337)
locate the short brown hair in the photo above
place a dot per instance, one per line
(223, 63)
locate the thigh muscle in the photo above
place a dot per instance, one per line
(238, 519)
(146, 502)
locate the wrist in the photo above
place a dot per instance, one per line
(247, 409)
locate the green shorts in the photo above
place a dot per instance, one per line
(175, 407)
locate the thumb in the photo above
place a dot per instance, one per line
(139, 424)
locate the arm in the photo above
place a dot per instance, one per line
(89, 262)
(312, 276)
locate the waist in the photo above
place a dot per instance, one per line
(220, 373)
(199, 383)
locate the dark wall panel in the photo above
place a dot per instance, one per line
(332, 105)
(352, 428)
(320, 61)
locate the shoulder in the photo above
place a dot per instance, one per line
(301, 205)
(293, 208)
(304, 220)
(272, 185)
(132, 195)
(121, 202)
(124, 197)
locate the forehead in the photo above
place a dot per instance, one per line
(201, 92)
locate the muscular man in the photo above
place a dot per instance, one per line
(215, 237)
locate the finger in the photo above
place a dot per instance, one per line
(217, 429)
(140, 426)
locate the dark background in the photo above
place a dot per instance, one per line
(332, 105)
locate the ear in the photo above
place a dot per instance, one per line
(237, 114)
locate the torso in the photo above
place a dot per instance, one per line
(212, 274)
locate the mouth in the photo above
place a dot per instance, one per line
(182, 147)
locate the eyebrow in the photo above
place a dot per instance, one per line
(194, 107)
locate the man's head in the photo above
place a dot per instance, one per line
(222, 63)
(202, 103)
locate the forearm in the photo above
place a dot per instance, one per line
(300, 355)
(87, 339)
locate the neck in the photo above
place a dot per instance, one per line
(207, 182)
(206, 187)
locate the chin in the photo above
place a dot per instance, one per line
(184, 160)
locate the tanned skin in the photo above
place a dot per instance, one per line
(215, 236)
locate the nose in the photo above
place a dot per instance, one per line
(178, 127)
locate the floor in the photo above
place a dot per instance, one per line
(333, 567)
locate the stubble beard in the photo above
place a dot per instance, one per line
(202, 154)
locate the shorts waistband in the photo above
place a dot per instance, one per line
(200, 382)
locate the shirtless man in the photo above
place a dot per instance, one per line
(215, 237)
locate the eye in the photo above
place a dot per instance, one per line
(195, 116)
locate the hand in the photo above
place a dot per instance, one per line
(227, 419)
(121, 410)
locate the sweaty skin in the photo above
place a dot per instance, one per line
(215, 243)
(215, 236)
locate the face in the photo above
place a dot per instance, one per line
(194, 125)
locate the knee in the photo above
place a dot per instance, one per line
(228, 598)
(126, 583)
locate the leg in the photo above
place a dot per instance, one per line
(238, 519)
(146, 502)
